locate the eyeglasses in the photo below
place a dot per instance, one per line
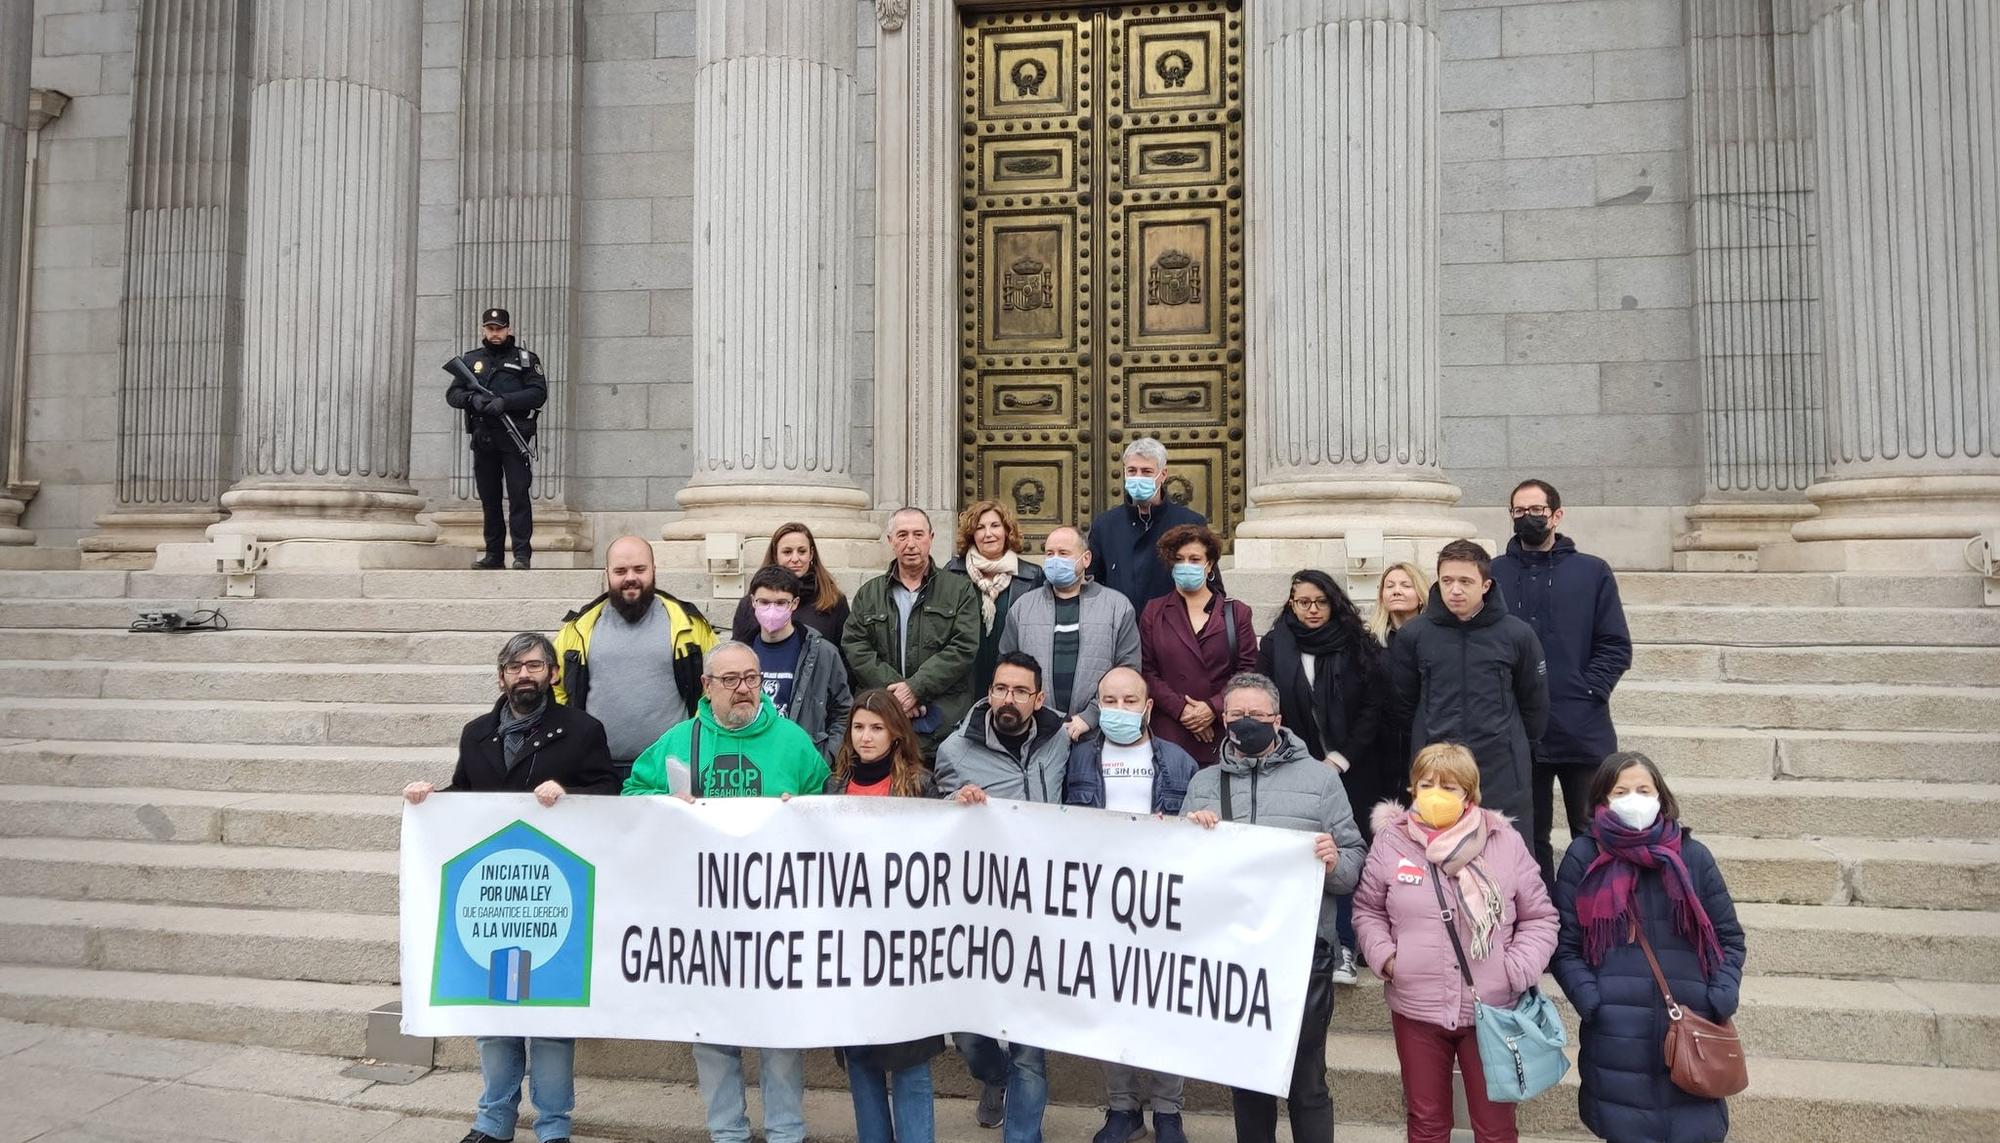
(530, 667)
(738, 680)
(1320, 604)
(1259, 715)
(1539, 512)
(1012, 694)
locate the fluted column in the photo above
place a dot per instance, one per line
(773, 270)
(330, 274)
(183, 278)
(1756, 284)
(1344, 326)
(1907, 94)
(17, 23)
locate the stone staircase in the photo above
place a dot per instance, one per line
(198, 832)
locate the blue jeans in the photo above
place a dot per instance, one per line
(782, 1085)
(1024, 1071)
(876, 1093)
(550, 1066)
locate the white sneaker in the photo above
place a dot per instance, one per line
(1343, 967)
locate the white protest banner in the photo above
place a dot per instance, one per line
(831, 921)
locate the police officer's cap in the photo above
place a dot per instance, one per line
(495, 316)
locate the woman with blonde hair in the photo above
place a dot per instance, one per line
(989, 554)
(1398, 599)
(822, 608)
(1446, 847)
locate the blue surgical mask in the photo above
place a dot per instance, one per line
(1061, 570)
(1141, 489)
(1121, 726)
(1190, 577)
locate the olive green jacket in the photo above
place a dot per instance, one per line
(942, 642)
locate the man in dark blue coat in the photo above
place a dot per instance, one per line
(1571, 600)
(1124, 539)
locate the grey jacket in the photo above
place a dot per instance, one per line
(1109, 637)
(1287, 789)
(973, 756)
(821, 701)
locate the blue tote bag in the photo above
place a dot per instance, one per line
(1520, 1048)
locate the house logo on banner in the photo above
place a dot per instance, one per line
(514, 923)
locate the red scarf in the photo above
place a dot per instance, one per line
(1604, 902)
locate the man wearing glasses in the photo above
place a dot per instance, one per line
(737, 745)
(1571, 600)
(1266, 776)
(527, 743)
(1010, 746)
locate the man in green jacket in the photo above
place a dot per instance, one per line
(737, 745)
(916, 633)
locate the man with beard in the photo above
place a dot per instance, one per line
(527, 743)
(737, 745)
(1010, 746)
(505, 385)
(632, 657)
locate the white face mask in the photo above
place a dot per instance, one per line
(1637, 811)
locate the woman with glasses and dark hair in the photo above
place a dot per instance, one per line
(1191, 642)
(1637, 873)
(1331, 692)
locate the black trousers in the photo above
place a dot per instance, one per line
(1309, 1103)
(1575, 780)
(489, 468)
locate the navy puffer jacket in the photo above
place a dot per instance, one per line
(1571, 600)
(1627, 1096)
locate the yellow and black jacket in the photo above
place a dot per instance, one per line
(692, 637)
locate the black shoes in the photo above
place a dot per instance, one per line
(475, 1135)
(522, 565)
(1167, 1128)
(487, 563)
(992, 1107)
(1121, 1127)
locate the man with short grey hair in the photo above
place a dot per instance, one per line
(1268, 777)
(915, 633)
(1123, 540)
(527, 742)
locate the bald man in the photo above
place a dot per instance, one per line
(1075, 628)
(632, 657)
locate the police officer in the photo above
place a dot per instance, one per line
(497, 383)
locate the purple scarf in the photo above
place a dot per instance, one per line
(1604, 902)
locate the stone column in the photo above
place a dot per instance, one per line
(1344, 331)
(773, 274)
(1907, 96)
(519, 91)
(17, 25)
(1755, 279)
(330, 284)
(183, 279)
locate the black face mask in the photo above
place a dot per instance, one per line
(1252, 736)
(1532, 530)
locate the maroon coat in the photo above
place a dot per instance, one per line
(1180, 664)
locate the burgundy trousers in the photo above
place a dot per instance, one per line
(1425, 1051)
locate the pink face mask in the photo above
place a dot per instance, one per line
(772, 617)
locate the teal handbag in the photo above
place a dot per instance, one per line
(1520, 1048)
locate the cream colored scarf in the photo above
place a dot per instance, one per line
(991, 577)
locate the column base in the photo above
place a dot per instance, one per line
(562, 538)
(1306, 523)
(846, 533)
(11, 532)
(1890, 524)
(130, 540)
(320, 528)
(1726, 536)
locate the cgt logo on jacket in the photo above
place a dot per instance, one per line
(514, 923)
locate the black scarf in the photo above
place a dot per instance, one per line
(1332, 645)
(867, 773)
(516, 729)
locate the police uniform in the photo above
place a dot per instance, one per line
(513, 375)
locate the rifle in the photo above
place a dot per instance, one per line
(456, 367)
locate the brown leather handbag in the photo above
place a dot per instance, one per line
(1704, 1058)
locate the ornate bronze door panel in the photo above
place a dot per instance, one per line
(1102, 263)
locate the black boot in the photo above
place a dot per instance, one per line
(488, 563)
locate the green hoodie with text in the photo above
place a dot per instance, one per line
(769, 757)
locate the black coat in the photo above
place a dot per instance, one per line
(568, 746)
(512, 374)
(1478, 682)
(1627, 1096)
(1571, 600)
(1360, 694)
(1123, 553)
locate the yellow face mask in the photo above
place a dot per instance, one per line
(1438, 808)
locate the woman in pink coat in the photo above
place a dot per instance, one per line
(1505, 921)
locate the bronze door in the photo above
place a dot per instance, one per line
(1102, 271)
